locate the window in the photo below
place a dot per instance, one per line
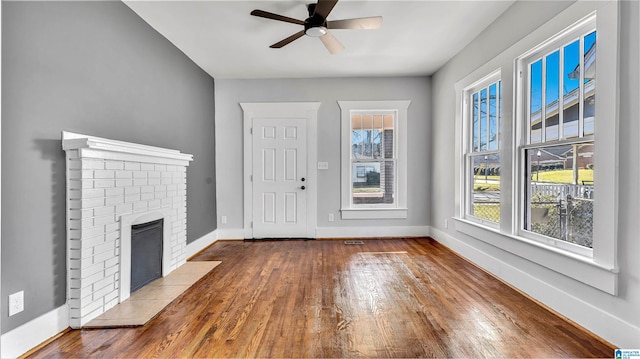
(558, 183)
(482, 102)
(374, 159)
(558, 150)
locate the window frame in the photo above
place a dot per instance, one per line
(374, 211)
(523, 121)
(468, 150)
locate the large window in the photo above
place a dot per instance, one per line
(556, 161)
(374, 159)
(482, 151)
(558, 153)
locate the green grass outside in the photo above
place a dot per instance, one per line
(563, 176)
(489, 178)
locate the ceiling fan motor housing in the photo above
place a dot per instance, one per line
(315, 25)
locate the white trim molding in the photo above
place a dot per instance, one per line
(31, 334)
(201, 243)
(372, 232)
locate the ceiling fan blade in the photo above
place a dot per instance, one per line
(374, 22)
(288, 40)
(324, 7)
(272, 16)
(330, 42)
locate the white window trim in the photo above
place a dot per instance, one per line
(348, 211)
(599, 271)
(467, 143)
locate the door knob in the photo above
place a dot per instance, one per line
(302, 188)
(302, 179)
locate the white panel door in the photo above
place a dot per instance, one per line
(279, 178)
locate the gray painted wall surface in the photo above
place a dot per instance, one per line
(94, 68)
(229, 93)
(518, 21)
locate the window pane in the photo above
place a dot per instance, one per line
(377, 136)
(476, 122)
(571, 88)
(560, 193)
(493, 122)
(589, 83)
(387, 136)
(486, 187)
(483, 120)
(535, 101)
(357, 137)
(367, 123)
(373, 182)
(552, 94)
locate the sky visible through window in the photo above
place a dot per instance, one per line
(569, 55)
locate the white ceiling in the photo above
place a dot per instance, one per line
(416, 38)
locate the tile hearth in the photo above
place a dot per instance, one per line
(147, 302)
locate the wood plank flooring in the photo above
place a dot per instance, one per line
(386, 298)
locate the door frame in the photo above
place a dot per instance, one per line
(281, 110)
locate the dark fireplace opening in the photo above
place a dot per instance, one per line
(146, 253)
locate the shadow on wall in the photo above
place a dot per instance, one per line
(51, 151)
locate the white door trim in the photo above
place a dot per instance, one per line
(306, 110)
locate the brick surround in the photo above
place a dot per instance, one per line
(112, 185)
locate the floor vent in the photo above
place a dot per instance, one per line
(353, 242)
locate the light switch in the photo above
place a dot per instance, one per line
(323, 165)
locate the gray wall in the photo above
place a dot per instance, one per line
(229, 93)
(94, 68)
(517, 22)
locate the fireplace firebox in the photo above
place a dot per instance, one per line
(146, 253)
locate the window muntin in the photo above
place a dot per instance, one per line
(372, 158)
(482, 163)
(559, 191)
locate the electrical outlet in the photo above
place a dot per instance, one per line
(223, 219)
(446, 223)
(16, 303)
(330, 217)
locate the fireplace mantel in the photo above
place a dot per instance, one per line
(97, 147)
(110, 186)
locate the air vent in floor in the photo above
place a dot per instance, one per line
(353, 242)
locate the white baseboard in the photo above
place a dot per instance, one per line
(369, 232)
(609, 327)
(31, 334)
(230, 233)
(201, 243)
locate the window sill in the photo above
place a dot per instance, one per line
(374, 213)
(580, 268)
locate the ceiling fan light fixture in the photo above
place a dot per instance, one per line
(316, 31)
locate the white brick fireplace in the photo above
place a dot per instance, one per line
(112, 185)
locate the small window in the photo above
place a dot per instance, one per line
(374, 159)
(482, 118)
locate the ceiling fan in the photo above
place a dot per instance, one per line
(316, 25)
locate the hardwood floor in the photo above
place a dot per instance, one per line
(383, 298)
